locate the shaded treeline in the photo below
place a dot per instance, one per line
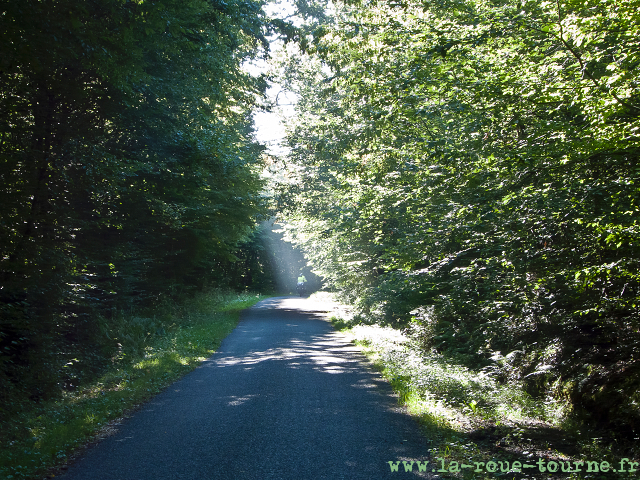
(128, 172)
(472, 167)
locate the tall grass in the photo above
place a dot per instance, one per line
(470, 416)
(153, 351)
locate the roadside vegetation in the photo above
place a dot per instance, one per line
(130, 183)
(470, 169)
(470, 416)
(154, 352)
(129, 176)
(464, 171)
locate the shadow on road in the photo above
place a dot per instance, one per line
(284, 397)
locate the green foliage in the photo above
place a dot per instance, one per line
(128, 170)
(469, 416)
(476, 163)
(43, 435)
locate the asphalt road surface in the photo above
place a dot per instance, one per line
(284, 397)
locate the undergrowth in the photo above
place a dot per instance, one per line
(469, 416)
(152, 355)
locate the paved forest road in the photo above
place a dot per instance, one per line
(285, 397)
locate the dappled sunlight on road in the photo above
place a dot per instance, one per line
(332, 353)
(316, 306)
(285, 396)
(326, 352)
(237, 400)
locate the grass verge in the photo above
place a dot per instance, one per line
(46, 436)
(478, 427)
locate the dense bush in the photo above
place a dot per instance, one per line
(128, 170)
(479, 161)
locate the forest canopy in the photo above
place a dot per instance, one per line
(129, 174)
(465, 168)
(470, 168)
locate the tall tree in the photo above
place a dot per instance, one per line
(478, 162)
(128, 169)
